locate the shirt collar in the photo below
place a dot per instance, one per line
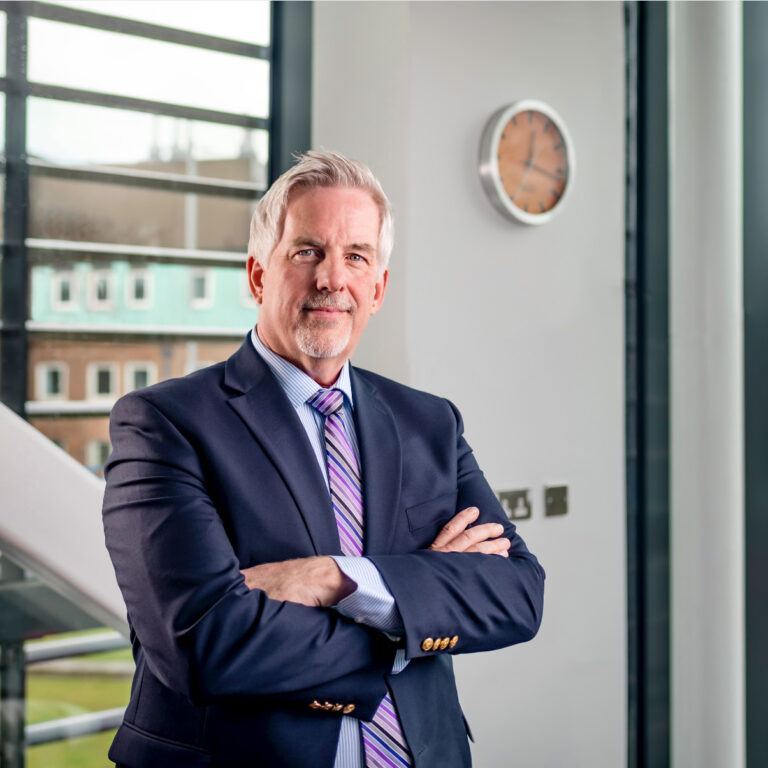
(296, 384)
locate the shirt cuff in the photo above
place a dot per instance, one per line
(371, 603)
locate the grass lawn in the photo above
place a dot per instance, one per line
(53, 696)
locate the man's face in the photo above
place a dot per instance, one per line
(322, 282)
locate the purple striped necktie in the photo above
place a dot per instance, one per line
(383, 740)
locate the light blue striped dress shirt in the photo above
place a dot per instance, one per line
(371, 603)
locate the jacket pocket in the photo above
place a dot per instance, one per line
(135, 748)
(434, 512)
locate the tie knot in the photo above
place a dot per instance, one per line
(327, 401)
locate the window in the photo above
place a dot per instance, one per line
(139, 374)
(101, 381)
(51, 381)
(64, 291)
(139, 289)
(100, 289)
(96, 454)
(200, 288)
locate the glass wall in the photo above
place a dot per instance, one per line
(144, 131)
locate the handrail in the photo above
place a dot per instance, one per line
(74, 646)
(72, 727)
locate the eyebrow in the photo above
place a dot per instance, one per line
(364, 247)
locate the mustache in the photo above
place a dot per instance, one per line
(321, 301)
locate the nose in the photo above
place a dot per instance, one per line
(329, 273)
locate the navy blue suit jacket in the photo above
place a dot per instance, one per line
(213, 473)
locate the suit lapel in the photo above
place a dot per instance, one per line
(381, 459)
(268, 413)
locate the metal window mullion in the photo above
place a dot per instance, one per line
(145, 29)
(13, 385)
(44, 250)
(114, 101)
(149, 179)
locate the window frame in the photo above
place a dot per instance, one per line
(134, 273)
(129, 371)
(42, 369)
(209, 277)
(57, 278)
(92, 381)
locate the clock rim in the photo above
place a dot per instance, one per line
(489, 165)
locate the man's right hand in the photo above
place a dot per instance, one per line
(457, 536)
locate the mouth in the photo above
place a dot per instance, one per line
(326, 309)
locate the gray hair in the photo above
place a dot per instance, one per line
(317, 169)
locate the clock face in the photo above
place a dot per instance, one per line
(526, 161)
(532, 161)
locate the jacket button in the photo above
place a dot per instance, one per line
(444, 643)
(454, 640)
(327, 705)
(315, 704)
(337, 707)
(349, 708)
(427, 644)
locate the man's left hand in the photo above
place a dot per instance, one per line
(313, 581)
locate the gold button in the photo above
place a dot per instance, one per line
(327, 705)
(444, 643)
(337, 707)
(315, 704)
(427, 644)
(349, 708)
(454, 640)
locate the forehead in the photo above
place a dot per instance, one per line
(333, 212)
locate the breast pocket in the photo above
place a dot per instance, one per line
(428, 517)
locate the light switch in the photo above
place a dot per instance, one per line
(555, 500)
(516, 504)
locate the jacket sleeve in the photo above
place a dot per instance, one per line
(203, 632)
(485, 601)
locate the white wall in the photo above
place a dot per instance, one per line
(521, 327)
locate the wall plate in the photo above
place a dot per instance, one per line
(516, 504)
(555, 500)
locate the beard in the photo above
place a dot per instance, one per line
(320, 337)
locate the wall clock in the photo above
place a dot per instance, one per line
(527, 161)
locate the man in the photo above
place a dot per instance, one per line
(303, 545)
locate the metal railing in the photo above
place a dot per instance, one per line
(77, 725)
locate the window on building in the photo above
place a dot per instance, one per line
(96, 454)
(100, 289)
(101, 381)
(201, 288)
(139, 289)
(51, 381)
(64, 291)
(139, 375)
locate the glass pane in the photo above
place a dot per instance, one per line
(237, 20)
(109, 62)
(86, 437)
(175, 289)
(67, 687)
(2, 43)
(63, 209)
(80, 134)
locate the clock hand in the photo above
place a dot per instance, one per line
(529, 165)
(546, 173)
(530, 151)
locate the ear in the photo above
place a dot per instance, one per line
(378, 292)
(255, 278)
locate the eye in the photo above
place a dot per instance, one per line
(306, 254)
(358, 258)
